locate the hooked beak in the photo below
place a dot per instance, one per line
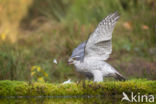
(70, 61)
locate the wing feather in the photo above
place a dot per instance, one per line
(99, 44)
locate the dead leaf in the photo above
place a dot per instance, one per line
(127, 25)
(145, 27)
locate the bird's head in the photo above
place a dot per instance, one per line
(73, 60)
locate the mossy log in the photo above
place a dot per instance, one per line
(108, 88)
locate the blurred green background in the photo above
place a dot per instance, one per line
(35, 32)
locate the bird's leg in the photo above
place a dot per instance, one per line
(98, 76)
(89, 76)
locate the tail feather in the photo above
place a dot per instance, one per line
(119, 77)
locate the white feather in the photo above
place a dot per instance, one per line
(55, 61)
(67, 82)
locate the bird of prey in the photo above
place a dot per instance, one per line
(89, 57)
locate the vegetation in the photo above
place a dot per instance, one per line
(35, 32)
(84, 88)
(58, 100)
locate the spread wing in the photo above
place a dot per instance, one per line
(99, 44)
(79, 51)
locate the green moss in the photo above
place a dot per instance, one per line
(109, 88)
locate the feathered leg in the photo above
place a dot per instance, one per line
(97, 75)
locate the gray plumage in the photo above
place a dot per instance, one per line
(89, 56)
(79, 51)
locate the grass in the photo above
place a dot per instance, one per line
(108, 88)
(41, 35)
(59, 100)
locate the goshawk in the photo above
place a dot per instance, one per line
(89, 57)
